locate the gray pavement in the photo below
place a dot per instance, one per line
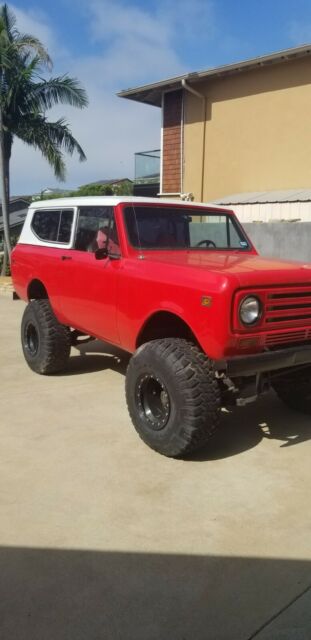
(101, 538)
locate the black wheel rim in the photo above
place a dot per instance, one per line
(31, 339)
(153, 401)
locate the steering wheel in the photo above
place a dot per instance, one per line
(207, 242)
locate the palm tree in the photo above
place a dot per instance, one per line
(24, 99)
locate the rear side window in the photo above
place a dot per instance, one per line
(53, 225)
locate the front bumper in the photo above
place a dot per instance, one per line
(263, 362)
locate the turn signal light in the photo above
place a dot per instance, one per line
(248, 343)
(206, 301)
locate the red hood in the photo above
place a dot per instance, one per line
(247, 269)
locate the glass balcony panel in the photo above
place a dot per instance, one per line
(147, 166)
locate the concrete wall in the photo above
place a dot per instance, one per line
(288, 240)
(251, 133)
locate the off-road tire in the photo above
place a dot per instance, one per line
(295, 390)
(46, 343)
(184, 375)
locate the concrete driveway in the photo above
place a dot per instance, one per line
(103, 539)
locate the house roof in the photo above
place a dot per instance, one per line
(17, 199)
(106, 181)
(262, 197)
(152, 93)
(16, 218)
(53, 190)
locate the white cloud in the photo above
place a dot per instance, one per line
(136, 46)
(118, 20)
(110, 133)
(35, 22)
(191, 21)
(138, 42)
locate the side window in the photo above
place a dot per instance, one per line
(96, 229)
(45, 224)
(64, 230)
(53, 225)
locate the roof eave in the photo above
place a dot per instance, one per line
(152, 93)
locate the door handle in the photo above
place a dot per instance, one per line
(66, 258)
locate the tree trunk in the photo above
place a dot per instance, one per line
(4, 184)
(7, 147)
(4, 261)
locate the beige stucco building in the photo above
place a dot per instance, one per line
(244, 127)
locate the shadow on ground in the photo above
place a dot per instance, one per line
(96, 356)
(244, 428)
(241, 429)
(48, 594)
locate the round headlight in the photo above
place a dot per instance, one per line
(250, 310)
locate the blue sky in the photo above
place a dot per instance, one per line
(111, 45)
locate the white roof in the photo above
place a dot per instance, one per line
(112, 201)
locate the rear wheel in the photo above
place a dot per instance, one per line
(295, 390)
(172, 396)
(46, 343)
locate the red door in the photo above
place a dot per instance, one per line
(89, 293)
(90, 286)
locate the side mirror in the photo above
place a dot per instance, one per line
(101, 254)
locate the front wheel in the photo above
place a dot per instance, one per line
(46, 343)
(172, 395)
(294, 390)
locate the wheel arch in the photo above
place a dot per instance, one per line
(165, 324)
(36, 290)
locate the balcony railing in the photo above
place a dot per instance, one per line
(147, 167)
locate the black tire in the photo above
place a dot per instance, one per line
(172, 395)
(46, 343)
(295, 390)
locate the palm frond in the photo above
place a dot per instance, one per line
(28, 67)
(25, 96)
(8, 19)
(52, 138)
(5, 56)
(61, 135)
(33, 135)
(14, 88)
(64, 90)
(30, 43)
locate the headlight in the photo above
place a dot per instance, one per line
(250, 310)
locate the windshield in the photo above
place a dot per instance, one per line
(152, 227)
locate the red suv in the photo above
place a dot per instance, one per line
(179, 285)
